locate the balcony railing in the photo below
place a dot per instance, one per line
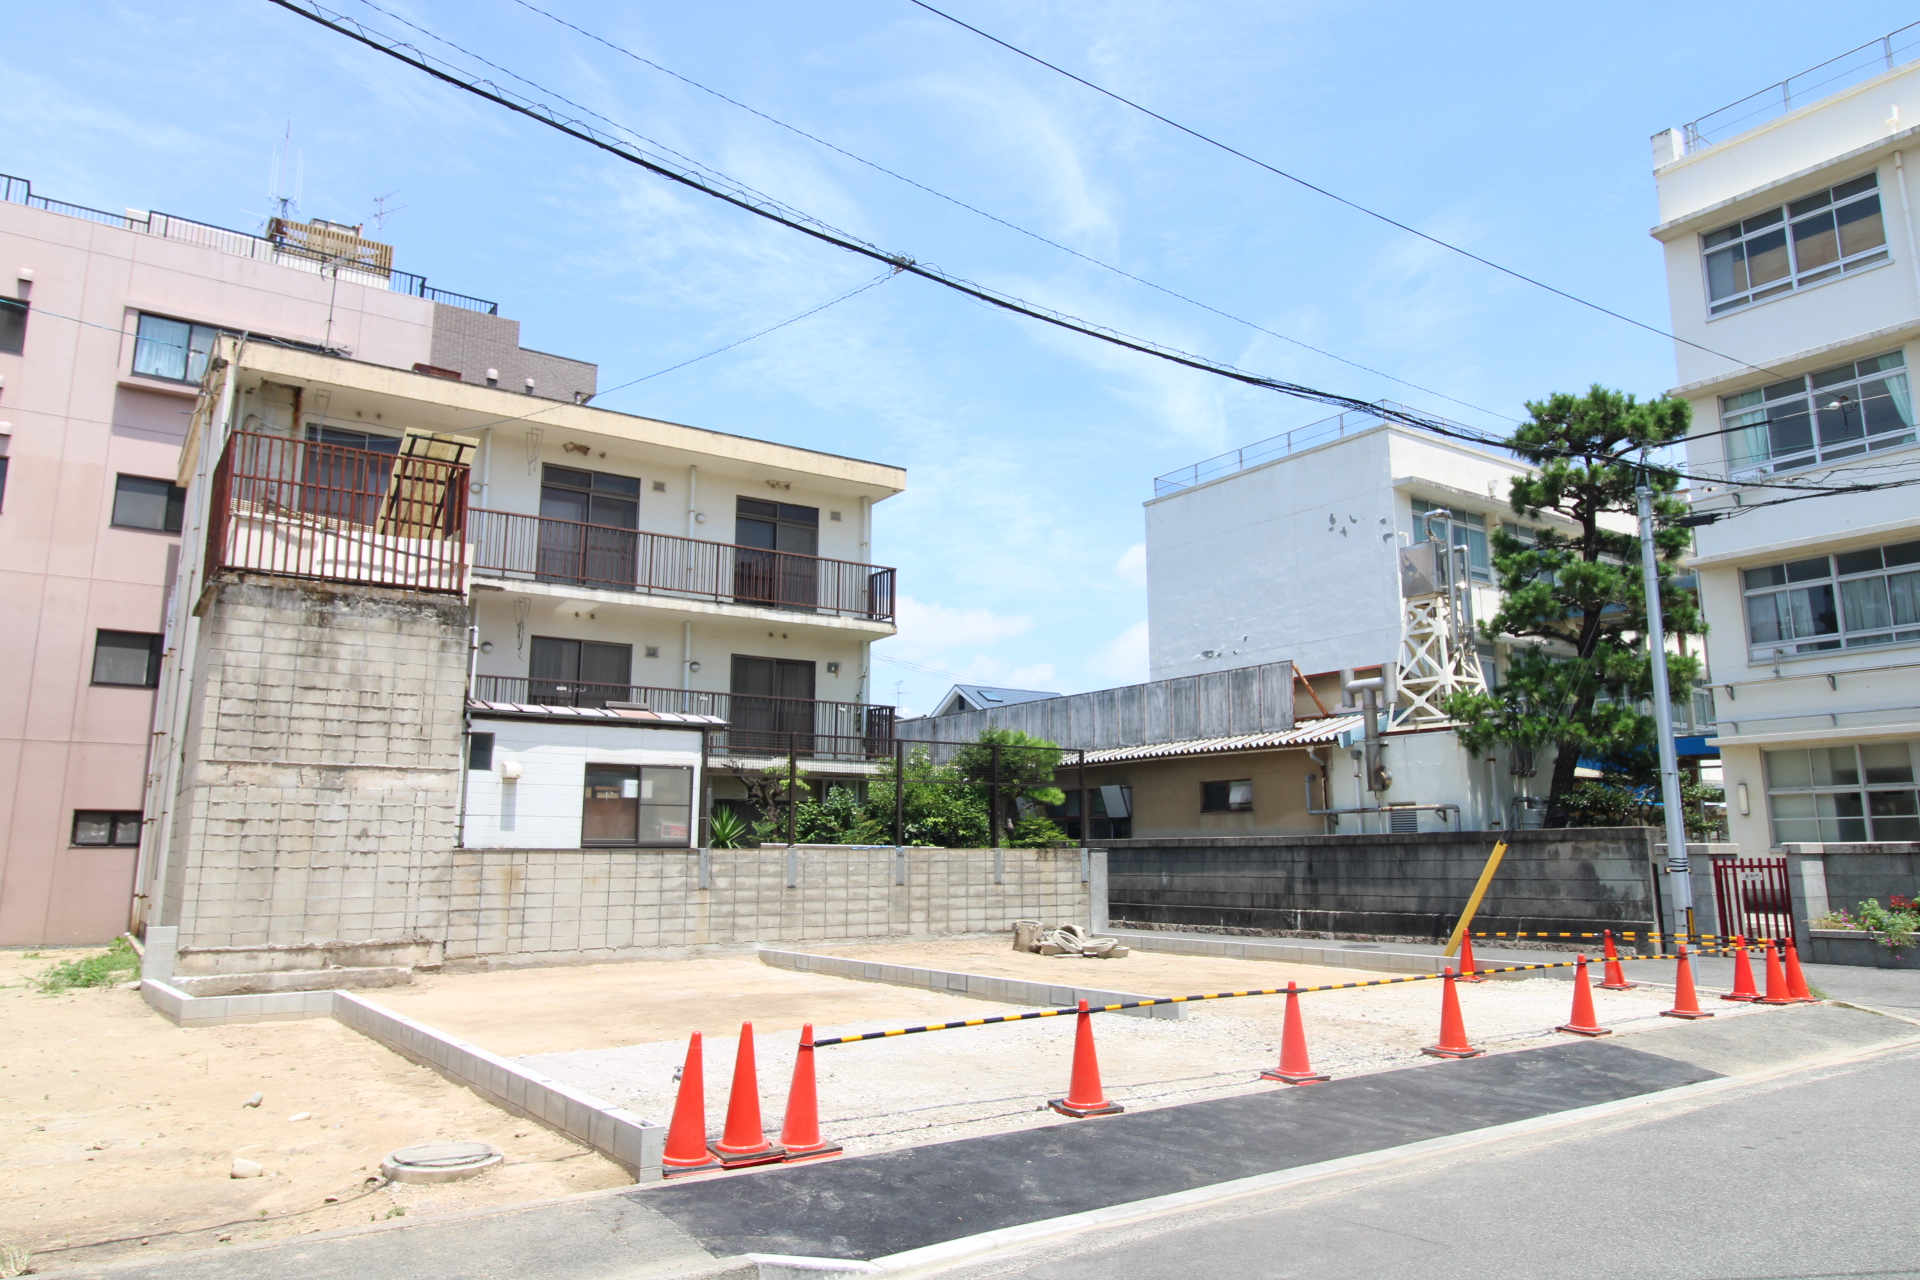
(1338, 427)
(536, 549)
(756, 725)
(1894, 49)
(299, 509)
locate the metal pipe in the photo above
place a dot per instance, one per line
(1381, 808)
(1677, 865)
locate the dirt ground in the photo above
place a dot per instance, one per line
(116, 1125)
(599, 1006)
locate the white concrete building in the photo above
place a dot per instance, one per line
(1290, 548)
(1795, 287)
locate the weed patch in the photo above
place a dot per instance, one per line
(116, 964)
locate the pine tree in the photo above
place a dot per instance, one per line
(1575, 601)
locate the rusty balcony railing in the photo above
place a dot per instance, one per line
(301, 509)
(756, 725)
(537, 549)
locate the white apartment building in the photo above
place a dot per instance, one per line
(106, 321)
(1290, 548)
(1795, 287)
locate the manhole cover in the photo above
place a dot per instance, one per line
(439, 1162)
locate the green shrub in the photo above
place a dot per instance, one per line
(116, 964)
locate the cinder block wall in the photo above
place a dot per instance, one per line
(1387, 885)
(319, 796)
(533, 906)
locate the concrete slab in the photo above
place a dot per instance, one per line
(1792, 1034)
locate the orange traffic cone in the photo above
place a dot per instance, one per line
(1796, 980)
(1685, 1003)
(1743, 988)
(1294, 1067)
(800, 1130)
(1467, 964)
(1614, 979)
(744, 1141)
(1582, 1023)
(1085, 1097)
(1777, 992)
(687, 1136)
(1453, 1032)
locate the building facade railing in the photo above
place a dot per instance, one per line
(756, 725)
(538, 549)
(1341, 425)
(242, 244)
(300, 509)
(1894, 49)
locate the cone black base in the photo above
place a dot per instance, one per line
(1284, 1078)
(1435, 1051)
(1572, 1030)
(682, 1171)
(1616, 986)
(741, 1160)
(1067, 1109)
(1743, 999)
(821, 1152)
(1678, 1013)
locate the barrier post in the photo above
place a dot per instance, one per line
(1473, 900)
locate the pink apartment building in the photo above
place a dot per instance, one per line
(105, 324)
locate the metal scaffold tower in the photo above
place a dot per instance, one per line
(1437, 655)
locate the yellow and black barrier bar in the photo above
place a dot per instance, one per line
(1215, 995)
(1651, 937)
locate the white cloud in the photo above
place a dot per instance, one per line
(1131, 567)
(1122, 659)
(927, 628)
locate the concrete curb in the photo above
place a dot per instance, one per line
(979, 986)
(628, 1140)
(1334, 954)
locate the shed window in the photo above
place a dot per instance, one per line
(1227, 797)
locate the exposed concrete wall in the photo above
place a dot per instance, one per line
(541, 906)
(321, 783)
(1391, 885)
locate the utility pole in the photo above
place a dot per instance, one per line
(1677, 866)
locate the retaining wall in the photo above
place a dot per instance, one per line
(978, 985)
(1411, 886)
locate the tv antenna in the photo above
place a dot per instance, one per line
(288, 167)
(381, 213)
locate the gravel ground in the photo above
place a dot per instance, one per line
(950, 1084)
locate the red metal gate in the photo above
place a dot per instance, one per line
(1754, 898)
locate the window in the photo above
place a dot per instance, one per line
(1843, 794)
(118, 828)
(13, 326)
(585, 518)
(172, 349)
(1852, 600)
(1794, 245)
(1227, 797)
(1836, 413)
(3, 481)
(140, 502)
(780, 569)
(579, 673)
(1464, 529)
(129, 658)
(628, 805)
(480, 751)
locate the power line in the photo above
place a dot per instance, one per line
(762, 206)
(1331, 195)
(958, 203)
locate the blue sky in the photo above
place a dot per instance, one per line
(1517, 130)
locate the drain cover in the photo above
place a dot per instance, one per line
(439, 1162)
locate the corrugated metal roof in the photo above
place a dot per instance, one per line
(1324, 730)
(623, 716)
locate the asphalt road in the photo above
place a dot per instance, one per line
(1808, 1176)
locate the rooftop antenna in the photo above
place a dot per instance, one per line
(381, 213)
(287, 165)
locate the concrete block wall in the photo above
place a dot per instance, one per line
(538, 905)
(319, 796)
(1387, 885)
